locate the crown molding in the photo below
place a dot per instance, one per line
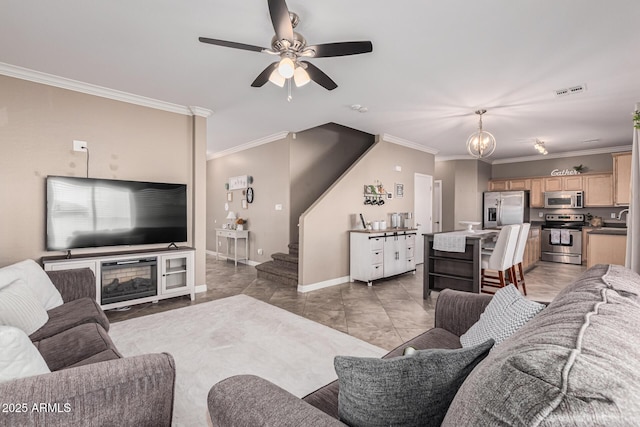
(90, 89)
(267, 139)
(463, 157)
(406, 143)
(605, 150)
(201, 112)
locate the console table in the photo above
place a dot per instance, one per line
(235, 235)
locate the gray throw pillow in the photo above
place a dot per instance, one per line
(413, 390)
(507, 312)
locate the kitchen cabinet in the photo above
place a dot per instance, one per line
(498, 185)
(572, 183)
(519, 184)
(563, 183)
(585, 243)
(375, 255)
(536, 193)
(532, 249)
(621, 178)
(598, 190)
(606, 249)
(553, 183)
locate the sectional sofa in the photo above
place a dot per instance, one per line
(577, 363)
(89, 382)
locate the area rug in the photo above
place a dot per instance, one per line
(237, 335)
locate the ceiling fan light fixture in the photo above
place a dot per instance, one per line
(286, 67)
(276, 78)
(481, 143)
(301, 77)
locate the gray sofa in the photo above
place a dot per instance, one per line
(90, 383)
(575, 363)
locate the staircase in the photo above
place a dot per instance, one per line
(283, 268)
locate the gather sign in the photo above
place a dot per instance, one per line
(563, 172)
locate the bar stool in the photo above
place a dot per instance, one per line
(517, 275)
(500, 259)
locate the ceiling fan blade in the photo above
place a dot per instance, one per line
(280, 19)
(233, 45)
(318, 76)
(264, 75)
(341, 49)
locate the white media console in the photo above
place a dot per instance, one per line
(127, 278)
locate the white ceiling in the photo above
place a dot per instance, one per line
(433, 64)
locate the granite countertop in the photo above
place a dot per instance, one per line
(609, 230)
(483, 234)
(386, 230)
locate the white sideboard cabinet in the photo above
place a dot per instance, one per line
(127, 278)
(378, 254)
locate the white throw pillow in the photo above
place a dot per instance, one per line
(20, 307)
(19, 358)
(507, 312)
(36, 279)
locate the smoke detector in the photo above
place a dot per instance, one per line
(359, 108)
(571, 90)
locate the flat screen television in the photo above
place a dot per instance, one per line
(89, 213)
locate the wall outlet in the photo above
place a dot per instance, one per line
(613, 215)
(260, 251)
(278, 207)
(540, 214)
(80, 145)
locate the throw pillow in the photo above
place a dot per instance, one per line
(36, 278)
(19, 358)
(413, 390)
(20, 307)
(507, 312)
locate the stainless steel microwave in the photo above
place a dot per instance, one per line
(564, 199)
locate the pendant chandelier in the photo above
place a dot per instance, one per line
(481, 143)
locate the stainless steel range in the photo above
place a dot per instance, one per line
(562, 238)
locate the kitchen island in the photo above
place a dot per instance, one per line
(455, 270)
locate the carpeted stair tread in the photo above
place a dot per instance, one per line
(285, 258)
(293, 248)
(277, 273)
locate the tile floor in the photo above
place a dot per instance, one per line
(387, 314)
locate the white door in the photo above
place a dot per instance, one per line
(437, 206)
(423, 206)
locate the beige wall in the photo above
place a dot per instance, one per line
(543, 167)
(199, 180)
(324, 238)
(446, 172)
(318, 157)
(468, 202)
(37, 126)
(463, 182)
(268, 228)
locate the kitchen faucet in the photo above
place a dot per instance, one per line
(623, 211)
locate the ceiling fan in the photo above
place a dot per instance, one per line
(290, 46)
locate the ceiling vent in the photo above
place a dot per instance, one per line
(571, 90)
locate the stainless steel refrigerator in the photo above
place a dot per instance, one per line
(504, 208)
